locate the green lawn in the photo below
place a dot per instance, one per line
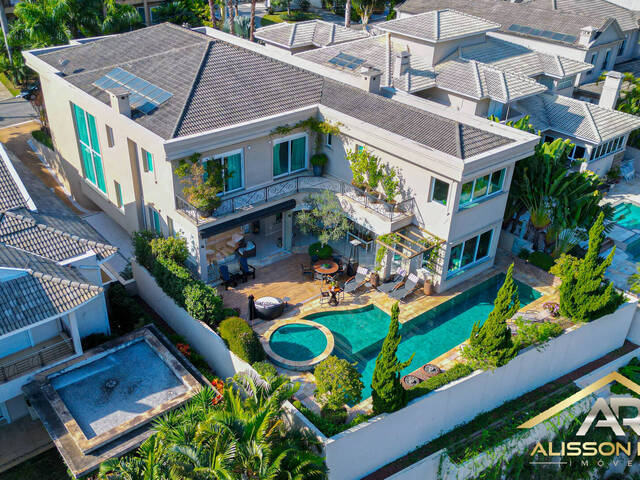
(280, 17)
(10, 86)
(47, 465)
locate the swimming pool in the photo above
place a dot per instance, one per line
(359, 333)
(298, 342)
(627, 215)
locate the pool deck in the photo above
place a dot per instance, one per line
(417, 304)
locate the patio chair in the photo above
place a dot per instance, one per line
(307, 270)
(357, 281)
(406, 289)
(398, 279)
(246, 269)
(324, 297)
(227, 279)
(627, 170)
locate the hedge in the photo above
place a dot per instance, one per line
(459, 370)
(241, 339)
(159, 256)
(125, 313)
(327, 427)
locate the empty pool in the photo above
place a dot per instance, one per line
(117, 387)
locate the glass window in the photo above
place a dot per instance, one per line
(470, 251)
(578, 152)
(623, 45)
(548, 139)
(497, 178)
(289, 156)
(483, 245)
(110, 140)
(480, 187)
(329, 140)
(89, 148)
(454, 258)
(148, 161)
(467, 190)
(440, 191)
(233, 170)
(605, 61)
(155, 220)
(118, 189)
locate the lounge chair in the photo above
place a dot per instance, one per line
(406, 289)
(356, 282)
(246, 269)
(227, 279)
(389, 287)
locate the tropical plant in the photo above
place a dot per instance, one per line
(178, 12)
(40, 23)
(358, 161)
(374, 171)
(337, 383)
(319, 159)
(120, 18)
(387, 392)
(202, 183)
(149, 463)
(629, 102)
(324, 218)
(490, 345)
(347, 14)
(252, 23)
(584, 293)
(390, 184)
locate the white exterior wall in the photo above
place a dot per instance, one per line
(367, 447)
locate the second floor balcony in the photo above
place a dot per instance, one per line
(350, 197)
(33, 358)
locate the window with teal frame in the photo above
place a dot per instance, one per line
(482, 187)
(470, 252)
(89, 147)
(289, 156)
(155, 220)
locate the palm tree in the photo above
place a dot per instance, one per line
(83, 17)
(176, 12)
(347, 14)
(120, 18)
(230, 16)
(150, 463)
(212, 13)
(40, 24)
(252, 25)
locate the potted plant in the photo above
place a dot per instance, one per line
(318, 161)
(358, 164)
(374, 174)
(202, 184)
(390, 184)
(319, 251)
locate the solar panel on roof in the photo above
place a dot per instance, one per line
(144, 96)
(346, 61)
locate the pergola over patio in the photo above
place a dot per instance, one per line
(409, 242)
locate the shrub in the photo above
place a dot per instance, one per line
(632, 371)
(95, 339)
(125, 313)
(541, 260)
(265, 369)
(304, 5)
(320, 251)
(535, 333)
(327, 427)
(43, 137)
(241, 339)
(334, 415)
(142, 247)
(319, 160)
(459, 370)
(202, 303)
(230, 312)
(174, 248)
(337, 382)
(172, 278)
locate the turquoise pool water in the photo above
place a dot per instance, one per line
(359, 333)
(633, 248)
(298, 342)
(627, 215)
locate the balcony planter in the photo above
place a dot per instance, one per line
(318, 161)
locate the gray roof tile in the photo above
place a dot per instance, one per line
(313, 33)
(40, 289)
(627, 18)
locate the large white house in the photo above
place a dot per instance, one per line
(51, 293)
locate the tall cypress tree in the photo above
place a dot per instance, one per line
(490, 345)
(387, 392)
(584, 293)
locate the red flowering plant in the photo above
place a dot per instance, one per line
(184, 349)
(218, 386)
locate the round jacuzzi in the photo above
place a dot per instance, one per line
(298, 344)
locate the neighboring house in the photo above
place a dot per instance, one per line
(224, 98)
(50, 290)
(448, 57)
(300, 36)
(597, 39)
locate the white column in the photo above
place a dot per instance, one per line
(287, 230)
(75, 334)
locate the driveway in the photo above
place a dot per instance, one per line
(15, 110)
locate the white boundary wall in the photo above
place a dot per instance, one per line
(199, 335)
(368, 446)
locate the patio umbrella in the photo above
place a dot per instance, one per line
(252, 307)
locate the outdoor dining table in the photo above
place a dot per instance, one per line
(325, 267)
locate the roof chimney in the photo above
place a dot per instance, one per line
(401, 64)
(610, 90)
(370, 79)
(586, 35)
(119, 99)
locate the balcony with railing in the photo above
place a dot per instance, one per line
(346, 192)
(36, 357)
